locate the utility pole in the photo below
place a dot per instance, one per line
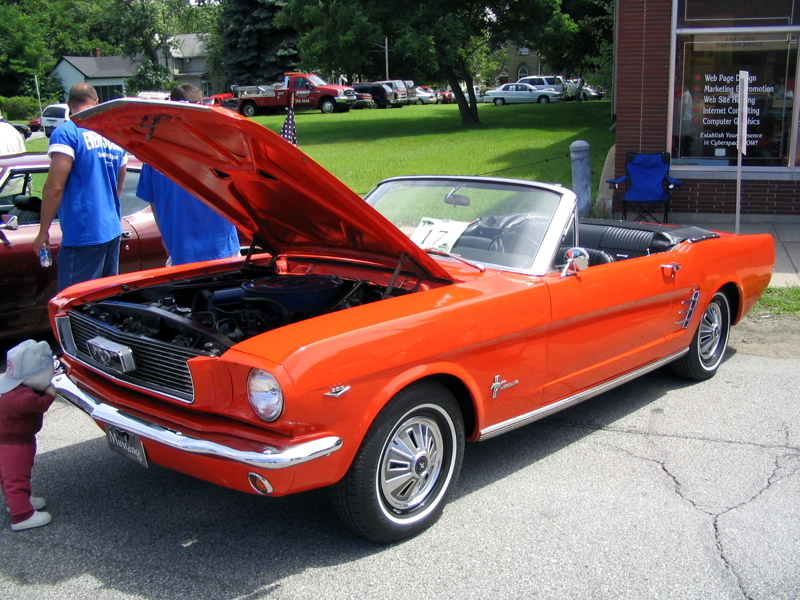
(385, 47)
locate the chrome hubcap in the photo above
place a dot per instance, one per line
(411, 463)
(710, 332)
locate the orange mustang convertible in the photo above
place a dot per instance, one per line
(359, 344)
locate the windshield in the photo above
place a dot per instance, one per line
(491, 221)
(317, 80)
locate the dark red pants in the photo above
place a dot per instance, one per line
(16, 464)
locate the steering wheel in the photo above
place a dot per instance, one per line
(514, 243)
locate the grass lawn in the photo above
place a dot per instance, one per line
(362, 147)
(783, 301)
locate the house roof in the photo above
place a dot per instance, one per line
(103, 66)
(189, 45)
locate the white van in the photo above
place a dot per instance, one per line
(541, 82)
(53, 116)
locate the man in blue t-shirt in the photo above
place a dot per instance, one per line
(190, 230)
(83, 187)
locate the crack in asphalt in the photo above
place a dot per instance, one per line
(781, 462)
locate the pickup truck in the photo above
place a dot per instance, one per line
(309, 90)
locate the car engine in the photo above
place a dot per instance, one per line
(211, 314)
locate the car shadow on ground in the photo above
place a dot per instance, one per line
(496, 458)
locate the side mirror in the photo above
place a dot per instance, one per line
(577, 260)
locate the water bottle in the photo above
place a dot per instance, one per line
(45, 259)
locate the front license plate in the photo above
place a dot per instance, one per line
(127, 444)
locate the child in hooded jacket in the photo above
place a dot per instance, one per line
(26, 392)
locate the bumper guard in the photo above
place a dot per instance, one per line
(269, 458)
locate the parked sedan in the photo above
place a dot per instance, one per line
(362, 341)
(226, 100)
(24, 130)
(590, 93)
(364, 100)
(426, 95)
(519, 93)
(25, 286)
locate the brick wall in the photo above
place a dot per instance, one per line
(758, 197)
(642, 88)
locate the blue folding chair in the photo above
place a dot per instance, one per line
(649, 185)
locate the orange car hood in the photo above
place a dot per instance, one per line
(268, 188)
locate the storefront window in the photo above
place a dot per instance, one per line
(706, 97)
(738, 13)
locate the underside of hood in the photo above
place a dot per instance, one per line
(268, 188)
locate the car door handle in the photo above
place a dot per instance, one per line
(673, 267)
(126, 235)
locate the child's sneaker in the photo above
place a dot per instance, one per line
(36, 502)
(37, 520)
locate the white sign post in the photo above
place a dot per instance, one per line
(741, 138)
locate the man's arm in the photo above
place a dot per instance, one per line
(121, 179)
(52, 193)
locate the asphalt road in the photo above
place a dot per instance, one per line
(657, 490)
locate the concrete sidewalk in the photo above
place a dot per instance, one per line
(784, 230)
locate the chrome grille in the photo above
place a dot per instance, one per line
(159, 366)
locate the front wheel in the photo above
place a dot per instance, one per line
(709, 342)
(543, 99)
(327, 106)
(406, 468)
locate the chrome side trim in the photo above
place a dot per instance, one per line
(269, 458)
(546, 411)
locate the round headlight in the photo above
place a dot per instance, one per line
(265, 395)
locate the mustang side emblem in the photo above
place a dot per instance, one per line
(500, 385)
(337, 390)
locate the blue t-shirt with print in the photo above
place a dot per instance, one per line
(89, 212)
(192, 232)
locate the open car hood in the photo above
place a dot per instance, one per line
(268, 188)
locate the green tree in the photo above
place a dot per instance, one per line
(251, 48)
(149, 76)
(442, 41)
(578, 38)
(145, 26)
(358, 40)
(23, 52)
(75, 27)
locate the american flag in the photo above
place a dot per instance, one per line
(289, 129)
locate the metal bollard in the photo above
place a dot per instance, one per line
(581, 177)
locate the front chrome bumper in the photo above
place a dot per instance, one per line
(270, 457)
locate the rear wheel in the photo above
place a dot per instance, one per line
(406, 468)
(709, 342)
(248, 109)
(499, 102)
